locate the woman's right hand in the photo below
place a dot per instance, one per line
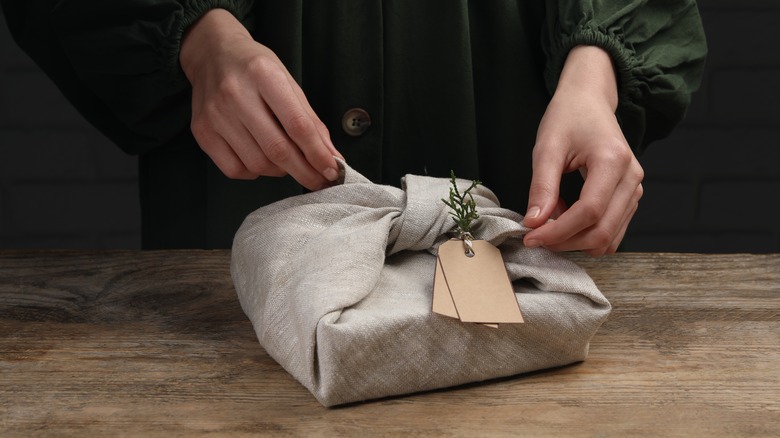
(248, 113)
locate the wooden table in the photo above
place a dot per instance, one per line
(155, 343)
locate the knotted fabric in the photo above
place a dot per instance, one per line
(338, 286)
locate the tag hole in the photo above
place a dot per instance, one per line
(469, 254)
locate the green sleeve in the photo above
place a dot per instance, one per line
(657, 47)
(116, 61)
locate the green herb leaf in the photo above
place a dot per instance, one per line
(464, 209)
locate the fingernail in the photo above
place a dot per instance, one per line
(531, 243)
(533, 212)
(330, 174)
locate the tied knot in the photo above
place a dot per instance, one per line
(424, 221)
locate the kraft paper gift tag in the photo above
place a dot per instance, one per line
(474, 288)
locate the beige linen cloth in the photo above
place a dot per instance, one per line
(338, 286)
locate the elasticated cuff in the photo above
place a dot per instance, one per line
(192, 11)
(623, 58)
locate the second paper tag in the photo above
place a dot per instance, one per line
(474, 289)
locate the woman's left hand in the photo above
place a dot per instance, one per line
(579, 131)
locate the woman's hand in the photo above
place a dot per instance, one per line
(248, 114)
(579, 131)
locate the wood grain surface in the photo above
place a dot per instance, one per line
(155, 344)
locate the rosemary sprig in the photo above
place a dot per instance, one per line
(464, 209)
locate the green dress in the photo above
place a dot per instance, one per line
(447, 85)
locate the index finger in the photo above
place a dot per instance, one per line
(325, 134)
(299, 122)
(600, 185)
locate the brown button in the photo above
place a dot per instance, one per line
(355, 122)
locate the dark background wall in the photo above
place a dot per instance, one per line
(713, 186)
(62, 184)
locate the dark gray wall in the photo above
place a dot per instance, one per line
(712, 187)
(62, 184)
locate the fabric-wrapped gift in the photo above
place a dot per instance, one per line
(337, 284)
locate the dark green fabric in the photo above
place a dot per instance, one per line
(449, 85)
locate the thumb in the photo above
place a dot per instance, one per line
(544, 192)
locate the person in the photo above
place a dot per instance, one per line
(231, 105)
